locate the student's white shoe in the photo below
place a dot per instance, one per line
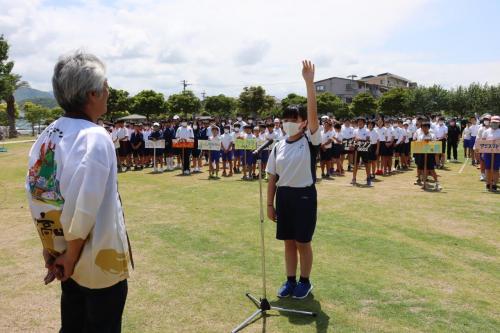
(482, 177)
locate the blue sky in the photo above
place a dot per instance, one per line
(460, 31)
(223, 45)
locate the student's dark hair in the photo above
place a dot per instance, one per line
(371, 122)
(295, 112)
(426, 124)
(237, 125)
(337, 126)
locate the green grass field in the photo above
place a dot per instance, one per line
(391, 258)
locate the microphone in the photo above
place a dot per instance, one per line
(257, 151)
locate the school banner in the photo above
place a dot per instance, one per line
(188, 143)
(158, 144)
(488, 146)
(248, 144)
(209, 145)
(426, 147)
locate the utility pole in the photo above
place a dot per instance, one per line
(184, 85)
(203, 94)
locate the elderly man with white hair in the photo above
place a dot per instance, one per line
(73, 196)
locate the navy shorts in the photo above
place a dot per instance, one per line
(214, 156)
(487, 161)
(296, 210)
(227, 156)
(247, 158)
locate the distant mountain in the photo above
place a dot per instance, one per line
(26, 93)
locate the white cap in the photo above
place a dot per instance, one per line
(176, 117)
(276, 120)
(325, 117)
(156, 124)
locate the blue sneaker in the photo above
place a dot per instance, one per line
(302, 290)
(287, 289)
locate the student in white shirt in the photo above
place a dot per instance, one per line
(74, 201)
(292, 176)
(361, 138)
(347, 134)
(426, 135)
(466, 133)
(337, 149)
(326, 148)
(380, 130)
(374, 149)
(124, 150)
(185, 133)
(485, 124)
(492, 133)
(227, 144)
(399, 141)
(441, 133)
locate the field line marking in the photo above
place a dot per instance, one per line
(463, 166)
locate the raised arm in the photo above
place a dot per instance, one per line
(308, 69)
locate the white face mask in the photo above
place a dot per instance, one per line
(223, 124)
(250, 121)
(184, 124)
(236, 129)
(495, 125)
(486, 122)
(230, 121)
(195, 126)
(441, 123)
(291, 128)
(226, 130)
(239, 118)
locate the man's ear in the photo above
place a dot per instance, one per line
(304, 126)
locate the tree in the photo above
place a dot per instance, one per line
(184, 103)
(394, 102)
(477, 99)
(363, 104)
(220, 105)
(329, 103)
(9, 83)
(493, 98)
(252, 101)
(149, 103)
(457, 102)
(438, 100)
(53, 114)
(4, 119)
(35, 114)
(293, 99)
(119, 104)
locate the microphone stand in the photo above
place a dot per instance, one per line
(263, 304)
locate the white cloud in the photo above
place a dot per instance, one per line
(220, 46)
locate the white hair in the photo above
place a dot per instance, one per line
(76, 75)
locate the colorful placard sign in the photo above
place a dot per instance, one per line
(488, 146)
(187, 143)
(426, 147)
(245, 144)
(209, 144)
(158, 144)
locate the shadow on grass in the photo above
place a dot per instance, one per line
(322, 320)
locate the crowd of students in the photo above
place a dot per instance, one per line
(381, 145)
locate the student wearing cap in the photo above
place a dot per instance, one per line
(453, 140)
(492, 133)
(292, 178)
(277, 129)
